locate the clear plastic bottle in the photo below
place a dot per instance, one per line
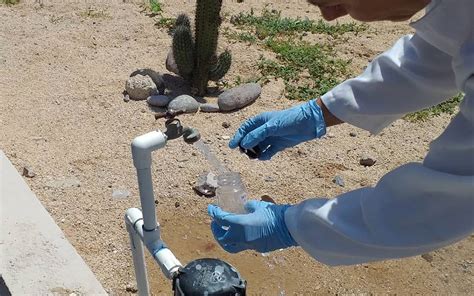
(231, 193)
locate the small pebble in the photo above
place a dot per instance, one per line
(131, 288)
(28, 172)
(267, 198)
(338, 180)
(225, 124)
(428, 257)
(126, 98)
(225, 138)
(269, 179)
(352, 134)
(177, 204)
(367, 160)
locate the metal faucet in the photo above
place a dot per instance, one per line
(174, 129)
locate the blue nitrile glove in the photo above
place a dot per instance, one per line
(275, 131)
(263, 229)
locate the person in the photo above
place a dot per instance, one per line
(417, 207)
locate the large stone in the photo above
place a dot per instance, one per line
(155, 76)
(140, 87)
(209, 107)
(184, 103)
(158, 100)
(239, 96)
(171, 63)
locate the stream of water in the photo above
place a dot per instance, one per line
(216, 165)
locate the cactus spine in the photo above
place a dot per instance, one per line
(196, 60)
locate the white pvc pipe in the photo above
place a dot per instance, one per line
(142, 146)
(145, 224)
(168, 263)
(137, 253)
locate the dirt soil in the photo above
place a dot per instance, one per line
(63, 65)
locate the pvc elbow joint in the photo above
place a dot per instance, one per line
(143, 145)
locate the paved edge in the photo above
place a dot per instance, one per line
(35, 257)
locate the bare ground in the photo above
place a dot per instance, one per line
(62, 71)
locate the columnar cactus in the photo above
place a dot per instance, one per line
(196, 59)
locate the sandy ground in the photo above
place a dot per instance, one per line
(62, 71)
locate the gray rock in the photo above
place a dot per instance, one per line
(155, 76)
(238, 97)
(171, 64)
(428, 257)
(64, 183)
(140, 87)
(352, 134)
(184, 103)
(158, 100)
(338, 180)
(209, 107)
(367, 160)
(28, 172)
(225, 124)
(206, 184)
(120, 193)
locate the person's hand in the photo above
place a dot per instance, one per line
(275, 131)
(370, 10)
(263, 229)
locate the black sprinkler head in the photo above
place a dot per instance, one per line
(209, 276)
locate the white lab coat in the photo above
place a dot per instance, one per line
(417, 207)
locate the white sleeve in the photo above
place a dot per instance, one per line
(410, 76)
(414, 209)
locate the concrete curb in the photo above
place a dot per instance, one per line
(36, 258)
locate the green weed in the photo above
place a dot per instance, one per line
(166, 22)
(9, 2)
(270, 23)
(240, 36)
(447, 107)
(155, 6)
(309, 70)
